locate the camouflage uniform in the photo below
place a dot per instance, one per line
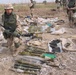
(64, 2)
(70, 11)
(58, 4)
(31, 7)
(11, 25)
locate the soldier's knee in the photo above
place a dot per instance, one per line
(17, 42)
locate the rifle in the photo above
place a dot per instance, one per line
(9, 32)
(32, 35)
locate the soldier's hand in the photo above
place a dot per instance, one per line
(72, 8)
(68, 8)
(7, 31)
(16, 34)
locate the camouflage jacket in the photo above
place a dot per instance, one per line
(19, 28)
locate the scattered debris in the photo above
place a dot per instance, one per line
(59, 32)
(32, 50)
(49, 56)
(68, 44)
(55, 46)
(35, 59)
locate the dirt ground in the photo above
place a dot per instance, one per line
(6, 59)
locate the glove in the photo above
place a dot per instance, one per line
(7, 31)
(16, 34)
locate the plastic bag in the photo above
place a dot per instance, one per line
(60, 31)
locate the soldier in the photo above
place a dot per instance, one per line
(11, 25)
(64, 3)
(58, 2)
(31, 7)
(71, 9)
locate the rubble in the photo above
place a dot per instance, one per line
(59, 32)
(45, 70)
(38, 61)
(55, 46)
(68, 44)
(56, 59)
(36, 43)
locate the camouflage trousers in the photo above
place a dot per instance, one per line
(58, 6)
(13, 44)
(71, 19)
